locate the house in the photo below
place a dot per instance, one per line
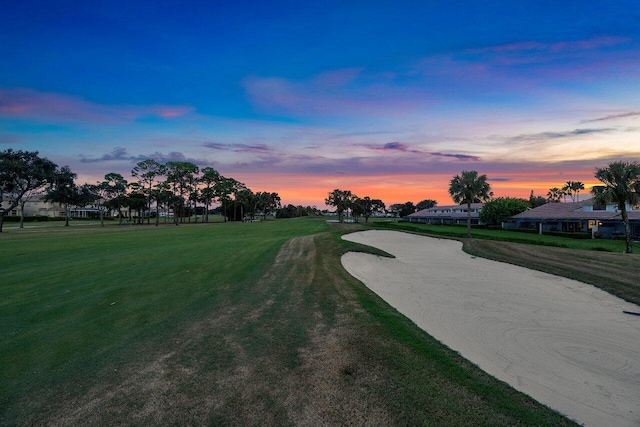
(453, 214)
(37, 206)
(575, 217)
(34, 206)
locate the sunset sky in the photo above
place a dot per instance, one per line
(389, 99)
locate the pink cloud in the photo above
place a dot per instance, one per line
(326, 94)
(170, 112)
(528, 46)
(45, 106)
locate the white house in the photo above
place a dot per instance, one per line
(452, 214)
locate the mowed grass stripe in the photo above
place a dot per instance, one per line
(70, 301)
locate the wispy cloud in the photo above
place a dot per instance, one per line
(119, 154)
(56, 107)
(404, 148)
(462, 157)
(393, 146)
(543, 136)
(240, 148)
(521, 65)
(335, 93)
(612, 117)
(561, 46)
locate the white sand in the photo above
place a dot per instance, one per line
(562, 342)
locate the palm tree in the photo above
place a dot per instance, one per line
(576, 186)
(554, 195)
(572, 189)
(566, 190)
(469, 188)
(621, 186)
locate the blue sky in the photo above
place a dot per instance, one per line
(388, 99)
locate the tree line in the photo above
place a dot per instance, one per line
(569, 188)
(179, 187)
(347, 203)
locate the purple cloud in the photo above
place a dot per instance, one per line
(336, 93)
(48, 106)
(404, 148)
(393, 146)
(462, 157)
(120, 154)
(612, 117)
(572, 45)
(117, 154)
(240, 148)
(557, 135)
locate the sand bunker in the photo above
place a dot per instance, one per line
(565, 343)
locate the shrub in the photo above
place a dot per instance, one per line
(29, 218)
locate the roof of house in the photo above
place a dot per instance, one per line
(572, 211)
(455, 211)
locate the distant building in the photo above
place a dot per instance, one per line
(584, 216)
(453, 214)
(35, 206)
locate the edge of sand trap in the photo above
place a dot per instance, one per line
(565, 343)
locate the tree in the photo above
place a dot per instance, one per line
(535, 201)
(162, 195)
(426, 204)
(209, 178)
(396, 208)
(26, 198)
(341, 200)
(496, 211)
(266, 202)
(244, 199)
(22, 172)
(136, 201)
(621, 186)
(181, 176)
(572, 189)
(357, 208)
(98, 196)
(554, 195)
(147, 171)
(64, 190)
(402, 209)
(114, 188)
(371, 206)
(469, 188)
(224, 187)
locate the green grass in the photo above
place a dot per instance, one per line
(244, 324)
(78, 296)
